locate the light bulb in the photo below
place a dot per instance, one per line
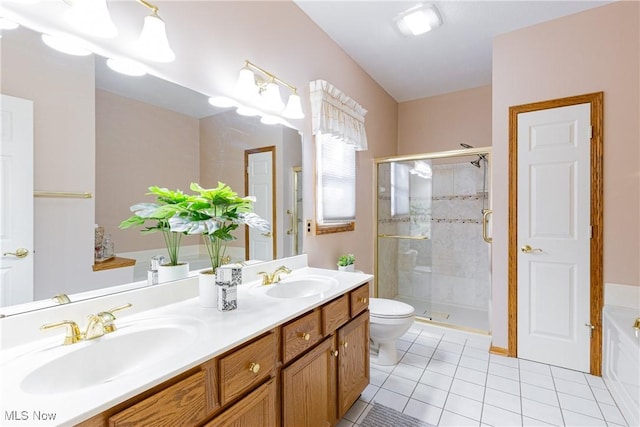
(293, 110)
(246, 86)
(271, 97)
(153, 43)
(92, 17)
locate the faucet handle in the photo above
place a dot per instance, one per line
(108, 317)
(266, 279)
(73, 331)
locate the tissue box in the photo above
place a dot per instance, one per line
(228, 277)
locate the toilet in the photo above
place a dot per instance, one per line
(389, 320)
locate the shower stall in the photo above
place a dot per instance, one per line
(433, 243)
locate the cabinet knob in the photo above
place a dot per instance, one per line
(305, 336)
(334, 353)
(363, 300)
(254, 367)
(345, 344)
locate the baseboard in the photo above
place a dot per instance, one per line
(498, 350)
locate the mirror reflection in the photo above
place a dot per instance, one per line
(114, 136)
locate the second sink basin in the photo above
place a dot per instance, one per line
(302, 287)
(123, 352)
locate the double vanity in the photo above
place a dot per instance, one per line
(293, 353)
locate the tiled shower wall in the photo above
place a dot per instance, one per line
(452, 265)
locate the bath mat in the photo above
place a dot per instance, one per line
(436, 315)
(383, 416)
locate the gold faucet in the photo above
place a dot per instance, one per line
(99, 324)
(269, 279)
(73, 331)
(636, 324)
(102, 323)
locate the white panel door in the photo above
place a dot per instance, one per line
(554, 236)
(16, 200)
(261, 186)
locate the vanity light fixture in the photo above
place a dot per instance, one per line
(418, 20)
(66, 44)
(153, 43)
(91, 17)
(263, 90)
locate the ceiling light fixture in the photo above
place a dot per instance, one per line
(153, 43)
(263, 91)
(418, 20)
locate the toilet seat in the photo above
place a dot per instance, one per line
(389, 309)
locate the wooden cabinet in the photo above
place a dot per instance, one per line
(243, 369)
(309, 388)
(257, 409)
(320, 386)
(181, 404)
(306, 372)
(300, 335)
(353, 361)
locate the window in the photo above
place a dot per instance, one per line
(338, 126)
(336, 181)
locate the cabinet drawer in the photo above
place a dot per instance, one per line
(359, 299)
(180, 404)
(300, 335)
(257, 409)
(335, 314)
(244, 368)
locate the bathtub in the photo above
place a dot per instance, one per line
(621, 360)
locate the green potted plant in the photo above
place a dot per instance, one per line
(215, 213)
(347, 262)
(155, 218)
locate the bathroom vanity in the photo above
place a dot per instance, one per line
(286, 360)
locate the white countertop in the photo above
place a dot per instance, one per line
(217, 332)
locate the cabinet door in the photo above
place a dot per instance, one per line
(257, 409)
(309, 388)
(353, 361)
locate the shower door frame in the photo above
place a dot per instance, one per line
(466, 152)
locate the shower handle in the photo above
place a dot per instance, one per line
(485, 223)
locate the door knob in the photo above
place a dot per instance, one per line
(526, 249)
(20, 253)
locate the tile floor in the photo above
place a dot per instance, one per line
(448, 378)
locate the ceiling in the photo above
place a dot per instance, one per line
(455, 56)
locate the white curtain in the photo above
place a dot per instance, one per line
(336, 114)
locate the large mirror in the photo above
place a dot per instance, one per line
(113, 136)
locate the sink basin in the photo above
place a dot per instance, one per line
(123, 352)
(302, 287)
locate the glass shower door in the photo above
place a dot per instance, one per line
(430, 250)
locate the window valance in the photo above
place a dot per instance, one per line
(336, 114)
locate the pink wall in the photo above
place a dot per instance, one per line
(597, 50)
(441, 123)
(139, 145)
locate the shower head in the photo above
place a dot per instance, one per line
(462, 144)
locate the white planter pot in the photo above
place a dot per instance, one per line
(350, 267)
(208, 291)
(169, 273)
